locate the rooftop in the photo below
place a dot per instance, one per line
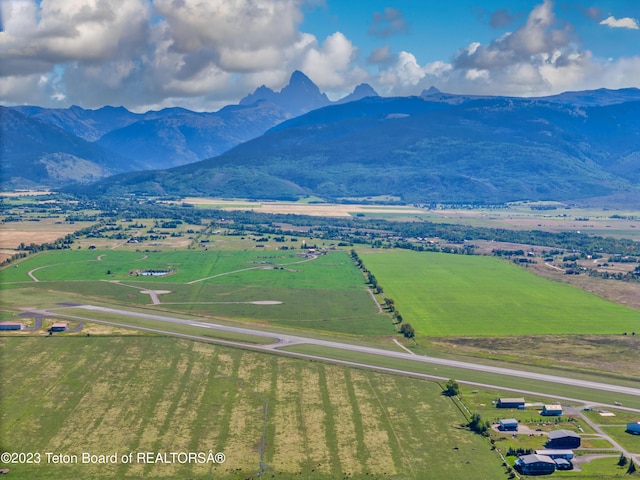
(562, 433)
(533, 458)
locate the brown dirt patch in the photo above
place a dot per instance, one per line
(624, 293)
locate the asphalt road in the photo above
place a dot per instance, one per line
(283, 340)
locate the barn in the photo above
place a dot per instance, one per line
(563, 439)
(634, 428)
(535, 465)
(510, 403)
(508, 425)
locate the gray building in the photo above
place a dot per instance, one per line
(510, 403)
(559, 453)
(563, 439)
(508, 425)
(535, 465)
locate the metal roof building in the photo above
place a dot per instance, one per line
(508, 424)
(551, 410)
(535, 464)
(510, 403)
(11, 326)
(563, 439)
(556, 453)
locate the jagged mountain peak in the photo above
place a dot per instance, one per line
(299, 78)
(361, 91)
(432, 90)
(300, 95)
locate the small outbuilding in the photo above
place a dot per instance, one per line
(563, 464)
(59, 327)
(563, 439)
(11, 326)
(510, 403)
(551, 410)
(535, 465)
(634, 428)
(508, 425)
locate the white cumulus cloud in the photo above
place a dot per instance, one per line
(620, 23)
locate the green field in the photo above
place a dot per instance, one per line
(102, 395)
(185, 265)
(326, 293)
(450, 295)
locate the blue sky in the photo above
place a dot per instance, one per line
(436, 30)
(147, 54)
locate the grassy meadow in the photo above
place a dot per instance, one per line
(138, 394)
(459, 295)
(326, 293)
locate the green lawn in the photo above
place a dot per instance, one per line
(627, 440)
(327, 293)
(268, 268)
(94, 264)
(444, 295)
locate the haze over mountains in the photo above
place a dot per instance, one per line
(437, 147)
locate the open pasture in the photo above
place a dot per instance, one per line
(450, 295)
(324, 293)
(146, 394)
(184, 266)
(608, 355)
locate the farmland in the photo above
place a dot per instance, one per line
(139, 394)
(451, 295)
(126, 391)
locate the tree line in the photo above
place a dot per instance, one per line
(405, 328)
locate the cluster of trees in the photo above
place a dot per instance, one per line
(59, 244)
(13, 258)
(478, 425)
(390, 305)
(451, 388)
(623, 461)
(517, 452)
(407, 330)
(632, 276)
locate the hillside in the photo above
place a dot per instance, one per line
(36, 154)
(423, 150)
(177, 136)
(187, 136)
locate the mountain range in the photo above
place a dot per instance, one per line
(436, 147)
(433, 148)
(132, 141)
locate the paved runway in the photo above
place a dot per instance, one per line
(282, 340)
